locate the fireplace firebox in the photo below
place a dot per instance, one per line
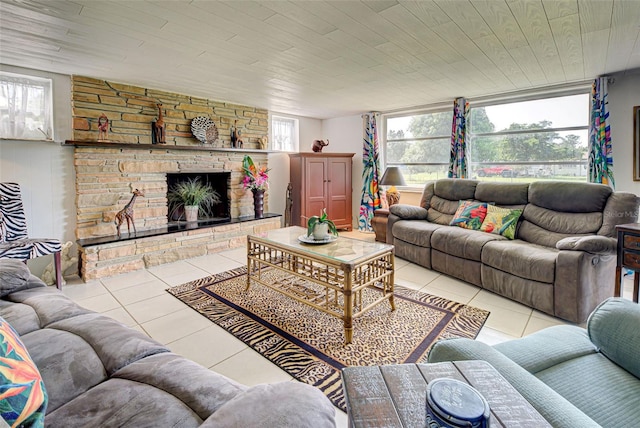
(219, 181)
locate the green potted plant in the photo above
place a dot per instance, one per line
(194, 196)
(320, 226)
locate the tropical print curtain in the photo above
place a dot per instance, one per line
(600, 151)
(370, 200)
(458, 167)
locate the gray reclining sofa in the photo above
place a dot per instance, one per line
(100, 373)
(562, 260)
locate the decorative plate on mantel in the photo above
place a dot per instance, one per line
(204, 129)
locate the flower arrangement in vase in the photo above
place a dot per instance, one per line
(257, 180)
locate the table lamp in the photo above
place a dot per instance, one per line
(392, 177)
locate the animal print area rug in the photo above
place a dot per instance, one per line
(309, 344)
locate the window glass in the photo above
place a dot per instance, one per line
(530, 140)
(25, 107)
(284, 134)
(419, 144)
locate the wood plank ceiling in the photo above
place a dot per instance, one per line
(326, 59)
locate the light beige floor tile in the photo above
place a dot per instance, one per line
(455, 286)
(250, 368)
(80, 290)
(208, 346)
(504, 320)
(342, 420)
(446, 294)
(215, 263)
(492, 337)
(537, 324)
(140, 292)
(493, 299)
(414, 274)
(185, 276)
(541, 315)
(154, 307)
(174, 326)
(237, 255)
(118, 282)
(140, 329)
(400, 262)
(170, 269)
(101, 303)
(120, 314)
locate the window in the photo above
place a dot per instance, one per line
(530, 140)
(285, 134)
(25, 107)
(419, 144)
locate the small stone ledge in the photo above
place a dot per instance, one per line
(99, 260)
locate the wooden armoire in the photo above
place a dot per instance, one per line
(321, 180)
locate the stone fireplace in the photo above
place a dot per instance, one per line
(107, 172)
(219, 182)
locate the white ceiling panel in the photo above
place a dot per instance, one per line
(325, 58)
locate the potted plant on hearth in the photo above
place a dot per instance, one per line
(193, 196)
(320, 226)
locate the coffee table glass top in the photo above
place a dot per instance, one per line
(343, 249)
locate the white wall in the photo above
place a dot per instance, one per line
(345, 136)
(45, 172)
(624, 94)
(310, 129)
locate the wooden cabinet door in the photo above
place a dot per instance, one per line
(316, 187)
(339, 193)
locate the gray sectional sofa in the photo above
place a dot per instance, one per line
(574, 377)
(562, 260)
(100, 373)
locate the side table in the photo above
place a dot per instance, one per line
(379, 224)
(396, 395)
(628, 256)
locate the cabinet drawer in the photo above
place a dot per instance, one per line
(631, 241)
(631, 260)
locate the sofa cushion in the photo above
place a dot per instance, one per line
(466, 244)
(446, 195)
(569, 197)
(563, 222)
(521, 259)
(604, 391)
(469, 215)
(408, 212)
(415, 232)
(503, 194)
(502, 221)
(614, 327)
(24, 397)
(13, 276)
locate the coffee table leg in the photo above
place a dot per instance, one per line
(348, 308)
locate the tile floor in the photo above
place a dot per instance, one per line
(139, 300)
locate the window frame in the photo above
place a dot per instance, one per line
(295, 143)
(46, 83)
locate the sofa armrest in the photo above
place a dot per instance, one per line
(408, 212)
(284, 404)
(552, 406)
(595, 244)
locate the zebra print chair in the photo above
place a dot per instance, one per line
(14, 242)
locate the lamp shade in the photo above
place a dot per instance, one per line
(392, 177)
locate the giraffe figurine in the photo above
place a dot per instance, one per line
(127, 213)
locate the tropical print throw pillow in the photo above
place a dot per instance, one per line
(501, 221)
(23, 399)
(469, 215)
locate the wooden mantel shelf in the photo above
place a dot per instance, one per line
(106, 144)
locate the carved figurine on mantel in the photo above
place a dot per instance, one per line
(103, 127)
(318, 145)
(236, 142)
(158, 128)
(127, 213)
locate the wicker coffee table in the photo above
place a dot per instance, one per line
(330, 277)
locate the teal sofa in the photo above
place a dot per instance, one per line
(574, 377)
